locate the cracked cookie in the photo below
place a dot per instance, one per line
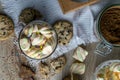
(64, 31)
(29, 14)
(6, 27)
(44, 71)
(58, 64)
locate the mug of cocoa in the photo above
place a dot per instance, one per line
(108, 29)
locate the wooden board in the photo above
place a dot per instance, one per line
(91, 62)
(68, 5)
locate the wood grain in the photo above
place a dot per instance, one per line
(9, 69)
(8, 61)
(68, 5)
(92, 61)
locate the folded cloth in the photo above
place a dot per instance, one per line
(84, 22)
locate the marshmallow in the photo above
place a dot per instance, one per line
(78, 68)
(80, 54)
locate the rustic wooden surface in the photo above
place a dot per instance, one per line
(68, 5)
(92, 61)
(8, 61)
(9, 69)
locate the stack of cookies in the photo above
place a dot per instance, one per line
(44, 70)
(50, 68)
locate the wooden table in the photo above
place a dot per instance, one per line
(8, 66)
(8, 61)
(9, 69)
(92, 61)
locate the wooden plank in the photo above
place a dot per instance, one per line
(91, 62)
(68, 5)
(7, 59)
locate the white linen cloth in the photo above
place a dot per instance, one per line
(82, 19)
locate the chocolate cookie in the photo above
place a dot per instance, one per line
(6, 27)
(64, 31)
(44, 71)
(24, 61)
(58, 64)
(29, 14)
(26, 73)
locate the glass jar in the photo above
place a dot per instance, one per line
(104, 47)
(42, 23)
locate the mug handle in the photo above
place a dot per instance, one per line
(15, 41)
(103, 49)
